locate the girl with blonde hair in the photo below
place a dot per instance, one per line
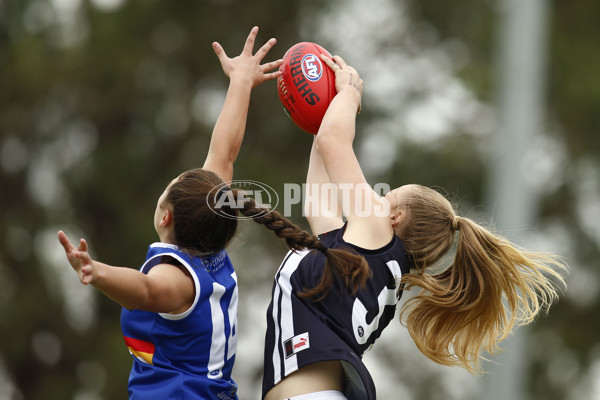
(474, 286)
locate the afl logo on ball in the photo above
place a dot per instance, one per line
(312, 67)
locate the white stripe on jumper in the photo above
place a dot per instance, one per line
(285, 330)
(217, 344)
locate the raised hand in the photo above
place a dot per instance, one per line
(345, 76)
(79, 258)
(246, 65)
(245, 72)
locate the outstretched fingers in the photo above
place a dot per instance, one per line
(274, 65)
(82, 245)
(247, 66)
(265, 48)
(69, 247)
(219, 50)
(78, 257)
(271, 65)
(65, 242)
(82, 263)
(271, 75)
(249, 45)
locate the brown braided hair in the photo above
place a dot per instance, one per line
(344, 264)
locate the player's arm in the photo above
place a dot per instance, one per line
(166, 288)
(320, 203)
(245, 72)
(367, 213)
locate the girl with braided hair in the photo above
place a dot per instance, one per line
(475, 285)
(179, 311)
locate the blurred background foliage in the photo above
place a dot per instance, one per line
(103, 102)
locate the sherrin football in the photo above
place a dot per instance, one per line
(306, 85)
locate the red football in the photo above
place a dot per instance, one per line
(306, 86)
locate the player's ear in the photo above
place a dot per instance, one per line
(396, 217)
(166, 218)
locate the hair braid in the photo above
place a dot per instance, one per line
(351, 268)
(295, 237)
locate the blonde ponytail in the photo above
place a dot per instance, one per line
(492, 285)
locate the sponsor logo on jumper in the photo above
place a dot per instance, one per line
(214, 263)
(225, 396)
(296, 344)
(301, 343)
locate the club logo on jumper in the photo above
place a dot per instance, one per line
(312, 67)
(361, 331)
(230, 199)
(140, 349)
(296, 344)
